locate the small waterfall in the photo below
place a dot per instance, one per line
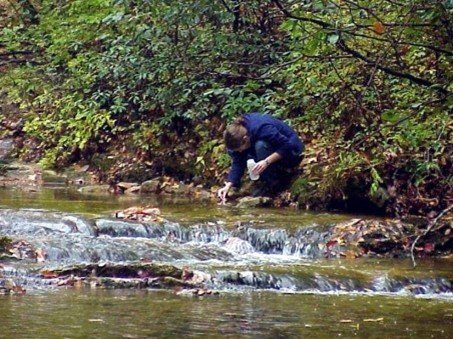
(63, 239)
(41, 223)
(321, 283)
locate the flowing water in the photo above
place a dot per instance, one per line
(267, 264)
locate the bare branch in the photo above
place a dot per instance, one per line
(428, 229)
(420, 81)
(292, 16)
(416, 44)
(341, 44)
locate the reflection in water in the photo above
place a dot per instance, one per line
(181, 210)
(128, 314)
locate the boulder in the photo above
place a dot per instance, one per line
(151, 186)
(126, 185)
(239, 246)
(249, 202)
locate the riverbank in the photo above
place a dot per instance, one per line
(415, 236)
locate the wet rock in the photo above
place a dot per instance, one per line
(151, 186)
(6, 146)
(115, 270)
(197, 292)
(181, 189)
(36, 223)
(22, 250)
(116, 228)
(126, 185)
(53, 178)
(203, 194)
(78, 225)
(8, 257)
(95, 189)
(250, 202)
(133, 190)
(140, 213)
(20, 175)
(239, 246)
(132, 275)
(9, 286)
(263, 240)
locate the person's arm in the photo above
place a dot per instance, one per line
(223, 192)
(265, 163)
(234, 176)
(239, 163)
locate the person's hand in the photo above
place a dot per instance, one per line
(223, 192)
(260, 167)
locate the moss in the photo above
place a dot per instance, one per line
(133, 270)
(5, 244)
(301, 189)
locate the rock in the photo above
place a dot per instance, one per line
(94, 189)
(84, 168)
(248, 202)
(239, 246)
(126, 185)
(111, 275)
(133, 190)
(151, 186)
(203, 194)
(6, 146)
(53, 178)
(181, 189)
(8, 286)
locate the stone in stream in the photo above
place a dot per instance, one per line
(95, 189)
(8, 286)
(6, 146)
(239, 246)
(151, 186)
(250, 202)
(131, 275)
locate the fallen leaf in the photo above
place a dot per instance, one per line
(331, 243)
(48, 274)
(40, 255)
(378, 27)
(429, 247)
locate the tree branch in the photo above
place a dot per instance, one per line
(420, 81)
(345, 48)
(416, 44)
(288, 14)
(428, 229)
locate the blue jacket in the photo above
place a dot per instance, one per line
(264, 127)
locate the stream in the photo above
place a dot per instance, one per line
(267, 265)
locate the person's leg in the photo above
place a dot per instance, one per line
(271, 175)
(293, 160)
(276, 177)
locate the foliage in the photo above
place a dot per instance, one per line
(5, 244)
(367, 84)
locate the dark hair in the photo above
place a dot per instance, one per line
(235, 133)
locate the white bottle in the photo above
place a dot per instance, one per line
(250, 166)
